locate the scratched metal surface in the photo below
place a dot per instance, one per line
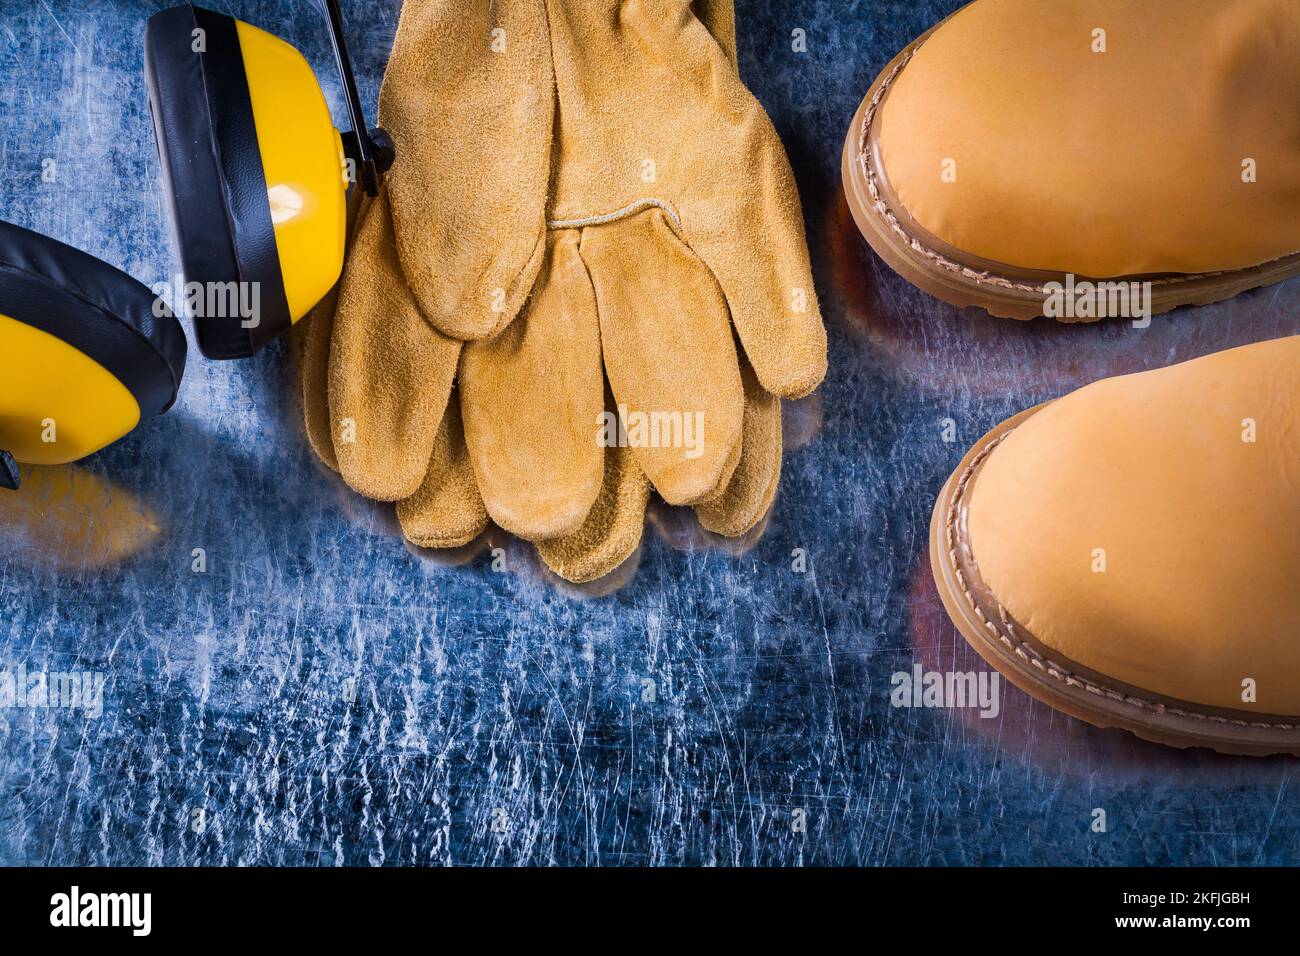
(322, 695)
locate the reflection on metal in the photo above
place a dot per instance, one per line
(69, 517)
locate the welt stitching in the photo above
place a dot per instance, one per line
(975, 275)
(1007, 635)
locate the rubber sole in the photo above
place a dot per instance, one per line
(1057, 681)
(963, 280)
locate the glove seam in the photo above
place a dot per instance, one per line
(631, 209)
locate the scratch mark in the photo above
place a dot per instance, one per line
(60, 26)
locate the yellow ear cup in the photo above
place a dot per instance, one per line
(58, 404)
(86, 352)
(254, 171)
(303, 165)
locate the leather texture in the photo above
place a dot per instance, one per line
(1123, 162)
(467, 192)
(99, 310)
(670, 273)
(623, 294)
(1185, 482)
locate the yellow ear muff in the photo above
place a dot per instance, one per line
(86, 352)
(303, 166)
(59, 404)
(255, 173)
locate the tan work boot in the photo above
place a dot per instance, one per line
(1086, 159)
(1130, 553)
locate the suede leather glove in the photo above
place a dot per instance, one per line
(450, 248)
(399, 382)
(550, 362)
(468, 97)
(674, 222)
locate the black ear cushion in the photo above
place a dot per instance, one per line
(212, 171)
(99, 310)
(190, 173)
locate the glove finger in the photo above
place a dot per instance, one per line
(390, 371)
(468, 98)
(532, 399)
(765, 274)
(612, 531)
(753, 488)
(313, 335)
(669, 354)
(728, 470)
(708, 149)
(752, 240)
(447, 511)
(313, 338)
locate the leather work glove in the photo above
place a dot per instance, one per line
(468, 97)
(613, 528)
(453, 243)
(534, 392)
(398, 379)
(674, 218)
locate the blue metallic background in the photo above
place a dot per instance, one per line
(323, 695)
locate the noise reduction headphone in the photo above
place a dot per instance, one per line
(256, 178)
